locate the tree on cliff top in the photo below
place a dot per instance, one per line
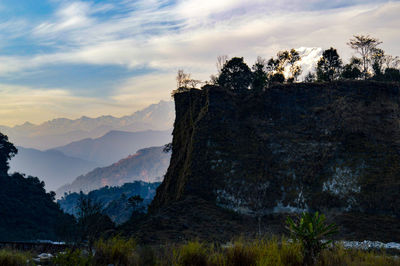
(329, 66)
(235, 75)
(364, 46)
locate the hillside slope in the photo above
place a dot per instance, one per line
(54, 168)
(330, 147)
(114, 200)
(147, 165)
(114, 145)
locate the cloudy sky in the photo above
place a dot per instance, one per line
(65, 58)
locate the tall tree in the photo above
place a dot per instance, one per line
(7, 151)
(378, 62)
(329, 66)
(364, 46)
(260, 76)
(235, 75)
(182, 79)
(92, 223)
(352, 70)
(295, 69)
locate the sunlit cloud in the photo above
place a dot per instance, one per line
(163, 36)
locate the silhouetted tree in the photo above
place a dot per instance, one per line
(221, 61)
(392, 74)
(378, 60)
(364, 46)
(92, 223)
(329, 66)
(295, 69)
(182, 79)
(310, 77)
(235, 75)
(352, 70)
(7, 151)
(260, 77)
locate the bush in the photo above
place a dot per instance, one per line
(71, 257)
(310, 230)
(241, 254)
(192, 254)
(17, 258)
(116, 251)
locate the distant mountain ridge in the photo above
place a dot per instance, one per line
(114, 145)
(53, 167)
(148, 165)
(113, 199)
(61, 131)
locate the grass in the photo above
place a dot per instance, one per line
(260, 252)
(14, 258)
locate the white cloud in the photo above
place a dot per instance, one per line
(189, 35)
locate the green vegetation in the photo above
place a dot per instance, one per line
(311, 230)
(263, 252)
(27, 211)
(14, 258)
(114, 201)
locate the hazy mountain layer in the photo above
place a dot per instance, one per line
(147, 165)
(113, 199)
(53, 167)
(62, 131)
(115, 145)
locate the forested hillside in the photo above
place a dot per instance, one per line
(27, 212)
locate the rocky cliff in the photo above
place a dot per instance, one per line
(331, 147)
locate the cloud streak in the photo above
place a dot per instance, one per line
(162, 36)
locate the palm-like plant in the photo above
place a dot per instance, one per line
(310, 230)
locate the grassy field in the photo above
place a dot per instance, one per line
(119, 251)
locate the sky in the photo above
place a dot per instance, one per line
(67, 58)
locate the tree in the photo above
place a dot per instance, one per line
(7, 151)
(235, 75)
(364, 46)
(260, 76)
(182, 79)
(221, 61)
(295, 69)
(391, 61)
(378, 62)
(92, 223)
(392, 74)
(310, 77)
(329, 66)
(352, 70)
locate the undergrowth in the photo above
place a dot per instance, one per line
(241, 252)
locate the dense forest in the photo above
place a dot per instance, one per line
(27, 212)
(114, 200)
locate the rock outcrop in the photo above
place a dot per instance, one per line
(331, 147)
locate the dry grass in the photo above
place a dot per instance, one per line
(260, 252)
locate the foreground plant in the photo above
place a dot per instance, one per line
(313, 232)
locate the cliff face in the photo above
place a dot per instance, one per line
(330, 147)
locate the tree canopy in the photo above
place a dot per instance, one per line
(235, 75)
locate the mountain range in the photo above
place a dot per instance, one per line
(147, 165)
(61, 131)
(53, 167)
(114, 145)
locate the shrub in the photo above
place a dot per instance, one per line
(241, 254)
(192, 254)
(11, 258)
(71, 257)
(116, 251)
(310, 230)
